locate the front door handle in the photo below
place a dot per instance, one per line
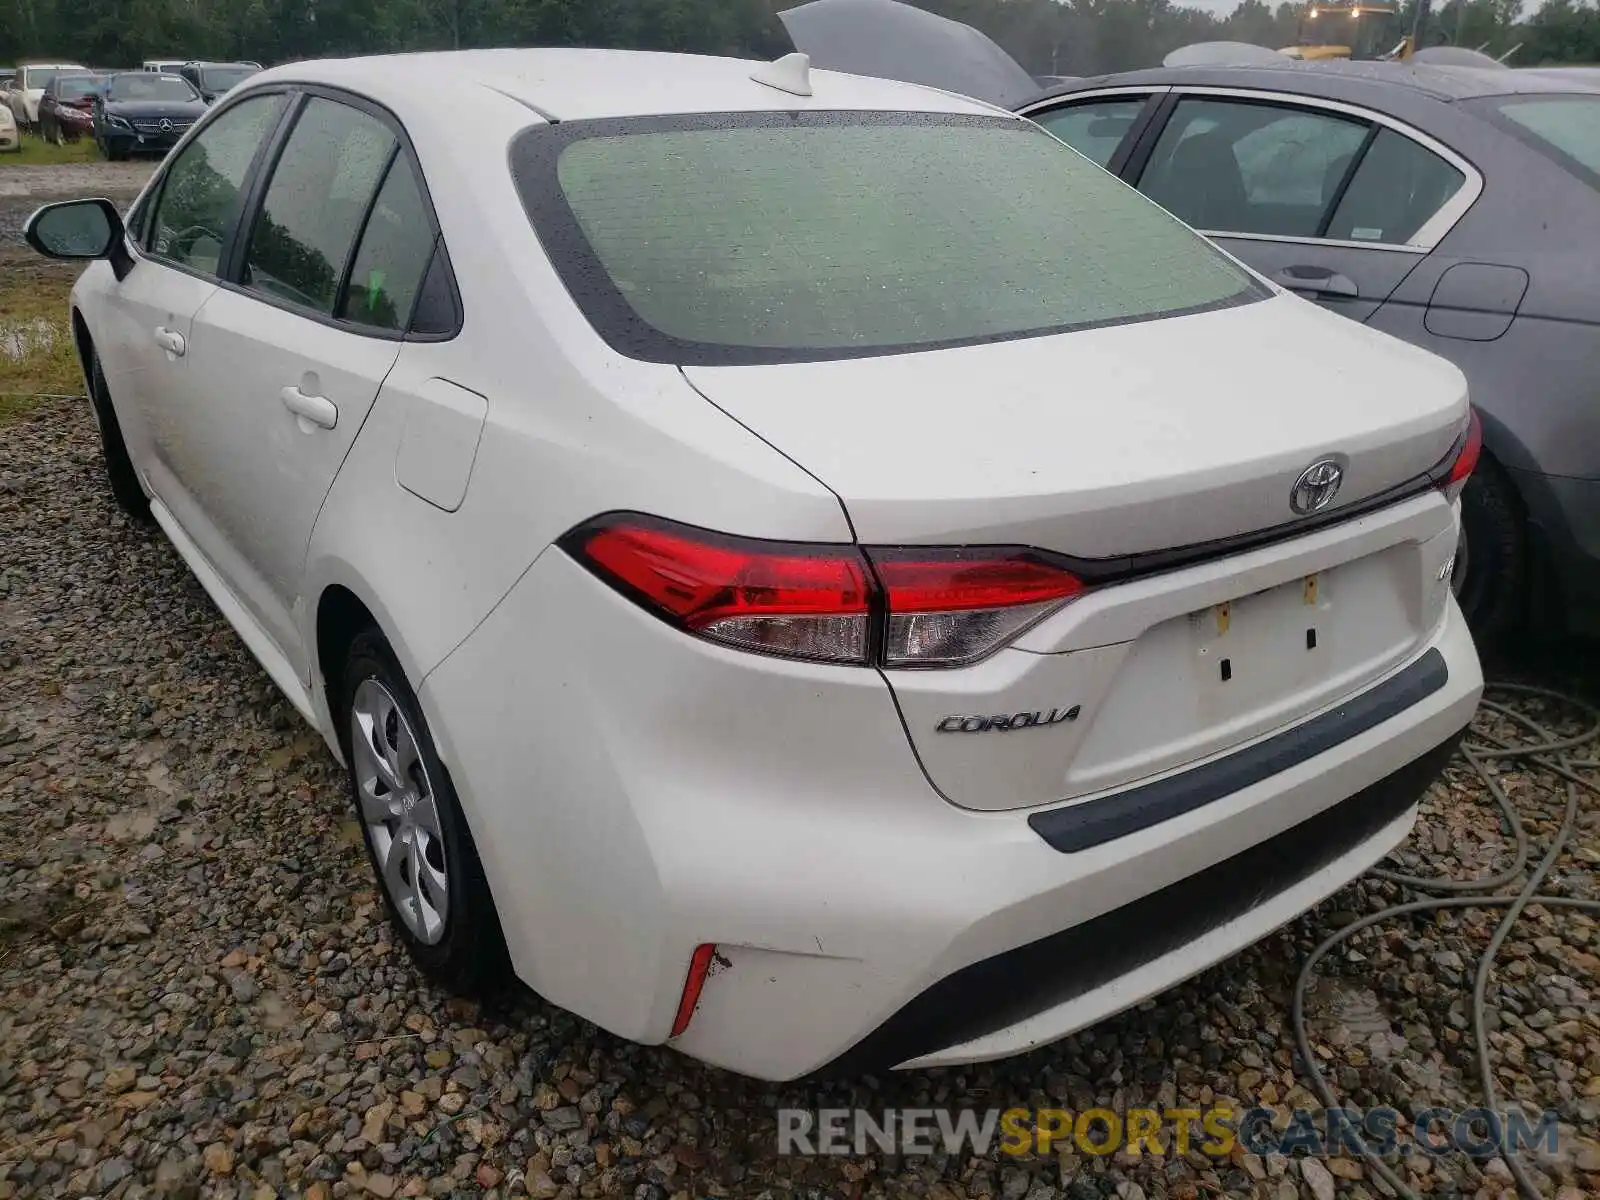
(1318, 280)
(170, 340)
(318, 410)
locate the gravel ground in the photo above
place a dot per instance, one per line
(199, 993)
(24, 188)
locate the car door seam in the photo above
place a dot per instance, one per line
(333, 480)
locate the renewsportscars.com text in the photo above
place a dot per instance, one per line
(1215, 1131)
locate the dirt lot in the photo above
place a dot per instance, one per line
(199, 993)
(24, 188)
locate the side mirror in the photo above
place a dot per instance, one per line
(79, 229)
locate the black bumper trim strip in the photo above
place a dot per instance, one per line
(1095, 822)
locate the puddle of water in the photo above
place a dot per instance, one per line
(24, 339)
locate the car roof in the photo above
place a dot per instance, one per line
(1344, 79)
(575, 84)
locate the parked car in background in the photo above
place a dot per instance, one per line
(7, 75)
(10, 136)
(1442, 205)
(212, 79)
(66, 112)
(165, 66)
(27, 89)
(140, 112)
(756, 514)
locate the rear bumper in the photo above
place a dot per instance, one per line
(635, 793)
(1050, 987)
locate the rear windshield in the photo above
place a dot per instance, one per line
(1565, 128)
(769, 237)
(220, 79)
(145, 85)
(72, 86)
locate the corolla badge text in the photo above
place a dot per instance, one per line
(1021, 720)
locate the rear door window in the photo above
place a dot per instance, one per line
(1094, 128)
(394, 253)
(1238, 166)
(315, 204)
(1398, 188)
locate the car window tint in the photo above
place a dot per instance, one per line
(1237, 167)
(1395, 191)
(200, 199)
(393, 255)
(1564, 128)
(319, 193)
(1096, 129)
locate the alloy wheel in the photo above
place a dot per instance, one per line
(397, 804)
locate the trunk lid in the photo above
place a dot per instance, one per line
(1111, 442)
(1105, 442)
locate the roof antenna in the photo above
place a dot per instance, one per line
(791, 73)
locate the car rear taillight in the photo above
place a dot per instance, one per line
(889, 606)
(1467, 451)
(947, 607)
(797, 600)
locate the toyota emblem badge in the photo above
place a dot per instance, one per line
(1317, 486)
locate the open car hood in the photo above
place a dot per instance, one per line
(896, 41)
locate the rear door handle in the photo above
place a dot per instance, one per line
(170, 340)
(318, 410)
(1318, 280)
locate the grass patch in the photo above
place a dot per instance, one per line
(36, 352)
(36, 152)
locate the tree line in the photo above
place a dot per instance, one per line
(1049, 37)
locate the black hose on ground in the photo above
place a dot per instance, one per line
(1548, 753)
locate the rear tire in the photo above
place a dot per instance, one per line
(417, 839)
(120, 474)
(1491, 585)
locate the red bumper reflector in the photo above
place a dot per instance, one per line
(698, 966)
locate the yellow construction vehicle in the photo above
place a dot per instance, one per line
(1360, 29)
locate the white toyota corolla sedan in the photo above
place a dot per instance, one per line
(780, 588)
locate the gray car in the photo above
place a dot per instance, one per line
(1458, 209)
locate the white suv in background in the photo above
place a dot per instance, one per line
(803, 567)
(27, 89)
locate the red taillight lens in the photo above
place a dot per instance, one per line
(802, 601)
(939, 607)
(1466, 457)
(948, 607)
